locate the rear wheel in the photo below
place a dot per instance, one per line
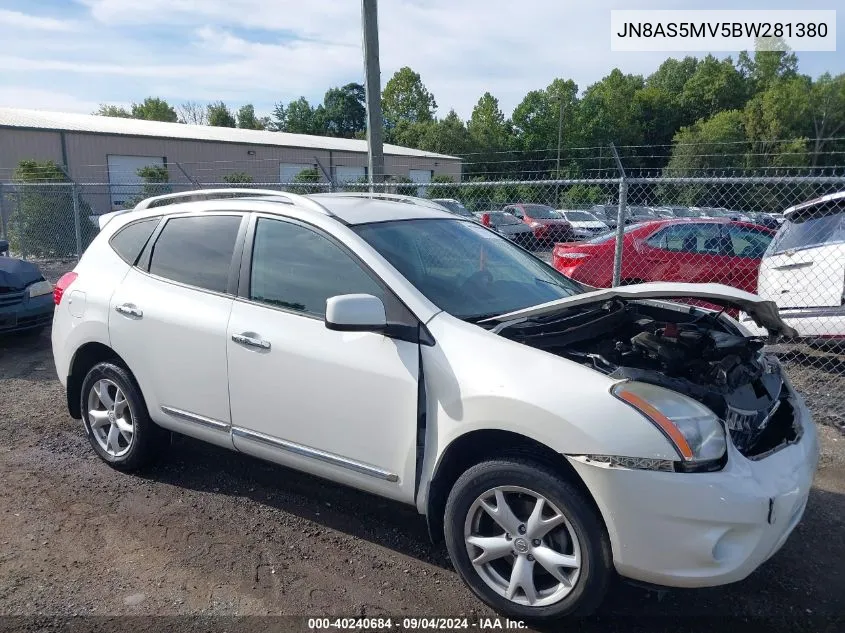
(116, 419)
(527, 541)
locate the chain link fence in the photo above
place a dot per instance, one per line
(727, 230)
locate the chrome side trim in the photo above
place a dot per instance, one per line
(313, 453)
(210, 423)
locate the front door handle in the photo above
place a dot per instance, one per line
(250, 341)
(128, 309)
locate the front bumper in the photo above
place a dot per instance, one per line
(704, 529)
(29, 314)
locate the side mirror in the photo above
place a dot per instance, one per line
(355, 313)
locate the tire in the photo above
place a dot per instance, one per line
(589, 583)
(123, 450)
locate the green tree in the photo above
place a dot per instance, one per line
(781, 112)
(114, 111)
(442, 186)
(44, 224)
(608, 111)
(219, 115)
(247, 119)
(237, 177)
(154, 109)
(767, 64)
(536, 121)
(579, 195)
(156, 182)
(709, 144)
(827, 107)
(405, 98)
(307, 176)
(344, 111)
(297, 118)
(672, 75)
(490, 135)
(715, 86)
(447, 136)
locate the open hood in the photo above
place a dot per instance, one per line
(763, 312)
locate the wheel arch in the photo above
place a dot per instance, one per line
(83, 360)
(481, 445)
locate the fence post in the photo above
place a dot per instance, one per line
(76, 221)
(18, 219)
(4, 232)
(620, 218)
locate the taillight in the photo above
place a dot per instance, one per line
(61, 285)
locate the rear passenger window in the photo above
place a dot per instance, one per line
(129, 241)
(196, 251)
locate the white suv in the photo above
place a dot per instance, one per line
(553, 435)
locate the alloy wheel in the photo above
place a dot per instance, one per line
(110, 417)
(522, 546)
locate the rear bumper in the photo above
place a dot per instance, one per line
(704, 529)
(27, 315)
(811, 323)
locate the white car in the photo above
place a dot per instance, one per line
(803, 270)
(552, 435)
(584, 224)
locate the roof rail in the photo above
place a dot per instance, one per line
(222, 194)
(394, 197)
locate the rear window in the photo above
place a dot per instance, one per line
(196, 250)
(817, 226)
(497, 218)
(579, 216)
(611, 235)
(129, 241)
(540, 211)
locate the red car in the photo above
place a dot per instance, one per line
(548, 225)
(690, 250)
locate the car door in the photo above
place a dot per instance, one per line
(341, 405)
(749, 245)
(686, 252)
(168, 322)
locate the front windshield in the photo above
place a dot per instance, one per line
(579, 216)
(812, 227)
(541, 212)
(464, 268)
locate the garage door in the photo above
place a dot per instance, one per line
(289, 171)
(125, 185)
(343, 173)
(422, 176)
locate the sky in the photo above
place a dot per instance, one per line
(72, 55)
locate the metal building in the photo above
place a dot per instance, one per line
(109, 150)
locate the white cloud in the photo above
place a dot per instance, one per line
(264, 51)
(15, 96)
(25, 21)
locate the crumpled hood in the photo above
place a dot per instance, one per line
(763, 312)
(16, 274)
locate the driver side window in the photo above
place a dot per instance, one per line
(296, 268)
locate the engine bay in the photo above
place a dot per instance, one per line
(683, 348)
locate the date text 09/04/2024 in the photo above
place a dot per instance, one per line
(441, 624)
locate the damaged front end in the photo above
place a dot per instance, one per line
(686, 349)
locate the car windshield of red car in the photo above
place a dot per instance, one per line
(541, 212)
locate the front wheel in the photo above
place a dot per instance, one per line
(527, 541)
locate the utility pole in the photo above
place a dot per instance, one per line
(372, 90)
(559, 137)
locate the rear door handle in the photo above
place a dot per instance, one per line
(129, 310)
(250, 341)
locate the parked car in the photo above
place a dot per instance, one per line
(548, 225)
(454, 206)
(764, 219)
(699, 251)
(26, 304)
(508, 226)
(803, 270)
(584, 224)
(554, 437)
(609, 214)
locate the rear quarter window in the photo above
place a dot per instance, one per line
(129, 241)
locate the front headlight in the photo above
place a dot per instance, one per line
(40, 288)
(694, 430)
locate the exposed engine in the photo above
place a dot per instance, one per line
(687, 350)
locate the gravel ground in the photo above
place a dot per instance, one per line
(208, 532)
